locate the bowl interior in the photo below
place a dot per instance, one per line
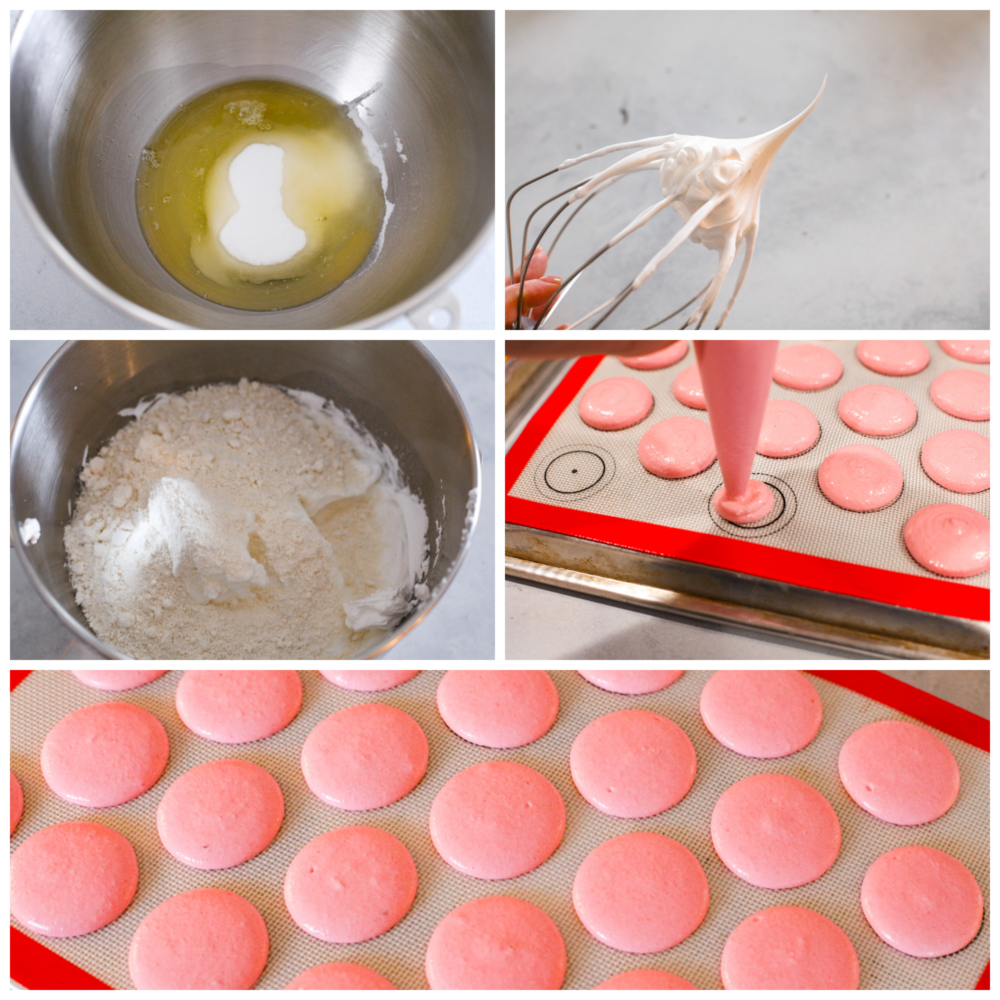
(394, 389)
(90, 89)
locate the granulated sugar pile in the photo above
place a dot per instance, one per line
(242, 521)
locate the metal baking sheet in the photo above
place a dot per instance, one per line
(810, 560)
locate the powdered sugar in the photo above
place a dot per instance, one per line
(236, 521)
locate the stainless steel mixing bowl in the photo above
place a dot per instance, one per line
(89, 89)
(395, 389)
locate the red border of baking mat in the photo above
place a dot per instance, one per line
(753, 558)
(28, 958)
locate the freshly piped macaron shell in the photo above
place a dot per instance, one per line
(877, 410)
(962, 393)
(350, 884)
(633, 763)
(220, 814)
(775, 831)
(72, 878)
(677, 447)
(663, 358)
(860, 477)
(16, 802)
(958, 460)
(497, 820)
(641, 893)
(116, 680)
(645, 979)
(368, 680)
(204, 939)
(789, 948)
(365, 757)
(807, 366)
(340, 976)
(899, 772)
(922, 901)
(977, 351)
(104, 755)
(949, 539)
(238, 706)
(788, 429)
(615, 403)
(501, 709)
(687, 388)
(894, 357)
(761, 713)
(496, 943)
(631, 681)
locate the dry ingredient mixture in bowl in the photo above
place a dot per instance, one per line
(225, 508)
(243, 521)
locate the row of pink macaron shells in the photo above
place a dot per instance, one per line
(260, 801)
(948, 539)
(761, 714)
(791, 429)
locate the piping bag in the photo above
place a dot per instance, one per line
(736, 377)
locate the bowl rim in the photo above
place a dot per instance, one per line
(160, 322)
(109, 652)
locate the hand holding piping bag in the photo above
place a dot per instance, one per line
(580, 348)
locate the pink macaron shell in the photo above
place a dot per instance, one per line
(220, 814)
(104, 755)
(860, 477)
(238, 706)
(753, 505)
(958, 460)
(788, 429)
(497, 820)
(894, 357)
(761, 713)
(365, 757)
(899, 772)
(615, 403)
(641, 893)
(72, 878)
(16, 802)
(789, 948)
(877, 410)
(633, 763)
(775, 831)
(204, 939)
(663, 358)
(962, 393)
(977, 351)
(631, 681)
(922, 901)
(350, 885)
(340, 976)
(645, 979)
(687, 388)
(116, 680)
(807, 366)
(369, 680)
(949, 539)
(496, 943)
(501, 709)
(677, 447)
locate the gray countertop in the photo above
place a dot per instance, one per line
(875, 211)
(461, 625)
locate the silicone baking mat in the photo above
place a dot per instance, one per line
(566, 477)
(46, 696)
